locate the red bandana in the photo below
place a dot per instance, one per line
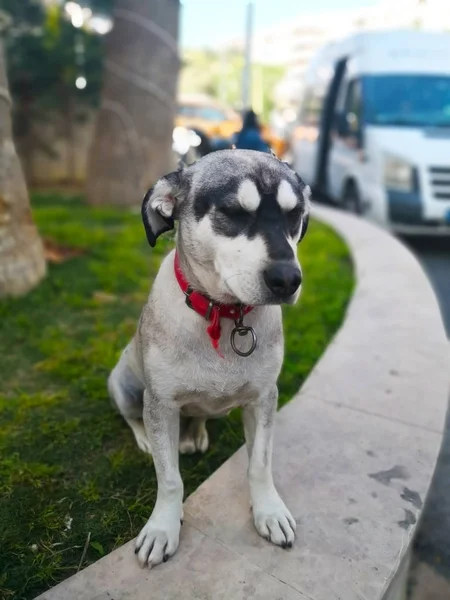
(207, 308)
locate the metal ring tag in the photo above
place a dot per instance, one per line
(242, 330)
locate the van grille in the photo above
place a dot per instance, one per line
(440, 182)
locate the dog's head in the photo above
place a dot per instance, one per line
(241, 215)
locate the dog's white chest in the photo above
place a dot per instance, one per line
(214, 388)
(189, 372)
(213, 402)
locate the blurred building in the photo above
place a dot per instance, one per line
(285, 43)
(307, 34)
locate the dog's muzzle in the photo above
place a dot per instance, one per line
(283, 279)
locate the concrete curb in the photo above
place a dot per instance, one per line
(354, 455)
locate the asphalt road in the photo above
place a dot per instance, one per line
(433, 540)
(434, 254)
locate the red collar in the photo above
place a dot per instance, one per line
(207, 308)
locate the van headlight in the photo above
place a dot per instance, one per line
(399, 175)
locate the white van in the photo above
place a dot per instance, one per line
(373, 132)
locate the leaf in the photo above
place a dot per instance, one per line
(97, 546)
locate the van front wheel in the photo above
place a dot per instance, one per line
(351, 200)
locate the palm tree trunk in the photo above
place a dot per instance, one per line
(132, 145)
(22, 262)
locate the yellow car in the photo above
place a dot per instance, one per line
(213, 123)
(216, 124)
(277, 144)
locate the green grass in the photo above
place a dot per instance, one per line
(68, 463)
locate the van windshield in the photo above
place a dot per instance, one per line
(407, 100)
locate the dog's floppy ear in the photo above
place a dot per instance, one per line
(305, 219)
(158, 206)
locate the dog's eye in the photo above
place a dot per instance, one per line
(234, 211)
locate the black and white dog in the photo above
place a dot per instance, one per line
(210, 337)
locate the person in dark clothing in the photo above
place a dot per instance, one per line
(250, 138)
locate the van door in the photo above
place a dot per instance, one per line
(346, 140)
(326, 124)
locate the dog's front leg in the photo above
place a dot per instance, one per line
(272, 519)
(160, 536)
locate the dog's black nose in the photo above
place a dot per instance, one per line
(283, 279)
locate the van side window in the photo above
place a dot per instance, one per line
(312, 107)
(304, 112)
(353, 107)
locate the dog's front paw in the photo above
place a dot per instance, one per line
(274, 522)
(158, 540)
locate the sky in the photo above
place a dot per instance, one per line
(209, 22)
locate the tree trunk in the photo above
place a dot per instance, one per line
(132, 145)
(69, 117)
(22, 262)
